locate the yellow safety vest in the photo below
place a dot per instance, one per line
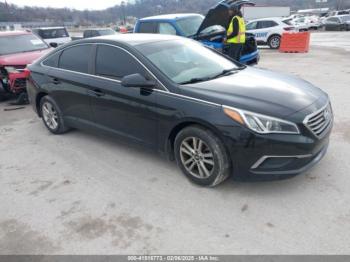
(240, 38)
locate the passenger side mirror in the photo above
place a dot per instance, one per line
(137, 80)
(54, 45)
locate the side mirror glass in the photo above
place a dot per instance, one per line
(137, 80)
(54, 45)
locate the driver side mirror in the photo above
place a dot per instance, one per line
(54, 45)
(137, 80)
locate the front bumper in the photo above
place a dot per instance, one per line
(277, 157)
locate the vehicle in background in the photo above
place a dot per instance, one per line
(53, 36)
(213, 115)
(209, 30)
(339, 12)
(310, 22)
(298, 27)
(337, 23)
(257, 12)
(125, 29)
(94, 32)
(98, 32)
(268, 31)
(17, 50)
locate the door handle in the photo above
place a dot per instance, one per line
(96, 92)
(56, 81)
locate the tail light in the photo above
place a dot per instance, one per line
(289, 28)
(26, 72)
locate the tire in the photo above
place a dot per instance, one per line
(210, 162)
(274, 42)
(52, 116)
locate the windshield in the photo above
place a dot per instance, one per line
(20, 43)
(189, 26)
(345, 18)
(53, 33)
(185, 60)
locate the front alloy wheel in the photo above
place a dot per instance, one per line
(202, 156)
(197, 157)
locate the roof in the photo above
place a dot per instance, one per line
(133, 39)
(50, 28)
(168, 17)
(269, 18)
(12, 33)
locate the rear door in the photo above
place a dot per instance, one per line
(68, 81)
(130, 112)
(265, 29)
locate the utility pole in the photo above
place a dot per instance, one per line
(123, 4)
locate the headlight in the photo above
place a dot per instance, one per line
(260, 123)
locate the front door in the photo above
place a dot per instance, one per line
(129, 112)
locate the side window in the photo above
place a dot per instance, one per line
(116, 63)
(166, 29)
(266, 24)
(147, 27)
(252, 25)
(52, 61)
(76, 58)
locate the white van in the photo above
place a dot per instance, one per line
(53, 35)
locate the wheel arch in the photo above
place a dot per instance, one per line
(170, 141)
(37, 101)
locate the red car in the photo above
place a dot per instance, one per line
(17, 50)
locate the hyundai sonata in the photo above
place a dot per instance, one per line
(214, 116)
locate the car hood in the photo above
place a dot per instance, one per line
(219, 14)
(22, 58)
(258, 90)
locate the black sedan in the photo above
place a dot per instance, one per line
(213, 115)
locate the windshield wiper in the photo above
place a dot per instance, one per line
(222, 73)
(229, 71)
(195, 80)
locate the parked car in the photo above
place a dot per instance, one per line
(215, 116)
(53, 36)
(98, 32)
(338, 23)
(268, 31)
(17, 50)
(310, 22)
(210, 30)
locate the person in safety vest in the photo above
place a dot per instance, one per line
(235, 34)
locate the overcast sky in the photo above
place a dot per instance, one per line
(77, 4)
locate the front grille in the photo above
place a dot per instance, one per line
(320, 121)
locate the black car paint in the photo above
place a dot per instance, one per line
(154, 116)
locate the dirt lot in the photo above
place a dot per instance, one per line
(84, 194)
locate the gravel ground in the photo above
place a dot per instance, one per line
(81, 193)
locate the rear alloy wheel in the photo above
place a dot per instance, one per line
(202, 156)
(275, 42)
(51, 116)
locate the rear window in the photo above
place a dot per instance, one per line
(76, 58)
(288, 22)
(266, 24)
(53, 33)
(147, 27)
(20, 43)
